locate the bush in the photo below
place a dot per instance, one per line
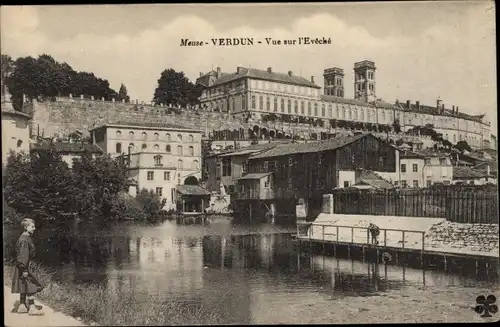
(152, 205)
(11, 216)
(125, 207)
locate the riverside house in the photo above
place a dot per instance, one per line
(306, 171)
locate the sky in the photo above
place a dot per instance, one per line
(422, 50)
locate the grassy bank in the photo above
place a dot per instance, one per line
(95, 304)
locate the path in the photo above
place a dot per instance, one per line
(51, 317)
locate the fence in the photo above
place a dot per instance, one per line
(456, 204)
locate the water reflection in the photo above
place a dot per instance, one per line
(248, 274)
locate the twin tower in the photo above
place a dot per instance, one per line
(364, 81)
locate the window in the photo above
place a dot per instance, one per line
(131, 147)
(191, 138)
(296, 107)
(323, 108)
(144, 136)
(442, 161)
(404, 184)
(19, 143)
(427, 162)
(157, 136)
(156, 147)
(166, 175)
(195, 164)
(429, 183)
(346, 183)
(243, 167)
(261, 102)
(179, 137)
(266, 166)
(118, 134)
(158, 160)
(289, 106)
(268, 104)
(151, 175)
(415, 168)
(118, 148)
(179, 150)
(330, 111)
(131, 135)
(309, 108)
(168, 137)
(191, 151)
(180, 164)
(403, 168)
(315, 109)
(282, 105)
(159, 191)
(226, 167)
(302, 108)
(144, 146)
(168, 148)
(253, 101)
(275, 104)
(415, 184)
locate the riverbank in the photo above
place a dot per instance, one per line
(94, 304)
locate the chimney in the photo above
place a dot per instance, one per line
(418, 105)
(269, 69)
(453, 109)
(201, 74)
(456, 109)
(218, 72)
(290, 73)
(312, 79)
(408, 104)
(438, 104)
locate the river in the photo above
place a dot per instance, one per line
(251, 274)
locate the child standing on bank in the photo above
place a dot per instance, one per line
(25, 281)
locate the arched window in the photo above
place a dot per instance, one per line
(179, 150)
(191, 138)
(323, 109)
(19, 143)
(191, 151)
(330, 111)
(275, 104)
(179, 164)
(302, 108)
(156, 147)
(195, 164)
(268, 104)
(131, 146)
(168, 137)
(158, 160)
(179, 137)
(131, 135)
(309, 108)
(144, 146)
(144, 136)
(168, 148)
(282, 105)
(261, 102)
(315, 109)
(157, 136)
(289, 106)
(253, 101)
(118, 134)
(296, 106)
(118, 148)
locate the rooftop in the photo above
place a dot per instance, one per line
(265, 75)
(370, 178)
(161, 126)
(68, 148)
(295, 148)
(192, 190)
(254, 176)
(468, 173)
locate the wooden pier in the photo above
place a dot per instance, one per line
(426, 256)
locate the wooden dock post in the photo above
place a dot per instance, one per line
(323, 233)
(422, 252)
(445, 262)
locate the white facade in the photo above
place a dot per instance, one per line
(15, 133)
(160, 157)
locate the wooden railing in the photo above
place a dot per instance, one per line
(352, 228)
(256, 194)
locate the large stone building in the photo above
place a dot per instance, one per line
(251, 92)
(161, 157)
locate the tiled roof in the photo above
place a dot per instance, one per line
(294, 148)
(265, 75)
(484, 166)
(432, 110)
(468, 173)
(370, 178)
(68, 148)
(252, 149)
(147, 125)
(192, 190)
(254, 176)
(8, 110)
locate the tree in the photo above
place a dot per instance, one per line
(99, 181)
(40, 185)
(123, 94)
(174, 88)
(462, 146)
(396, 126)
(151, 203)
(7, 67)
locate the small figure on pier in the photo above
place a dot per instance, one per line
(374, 230)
